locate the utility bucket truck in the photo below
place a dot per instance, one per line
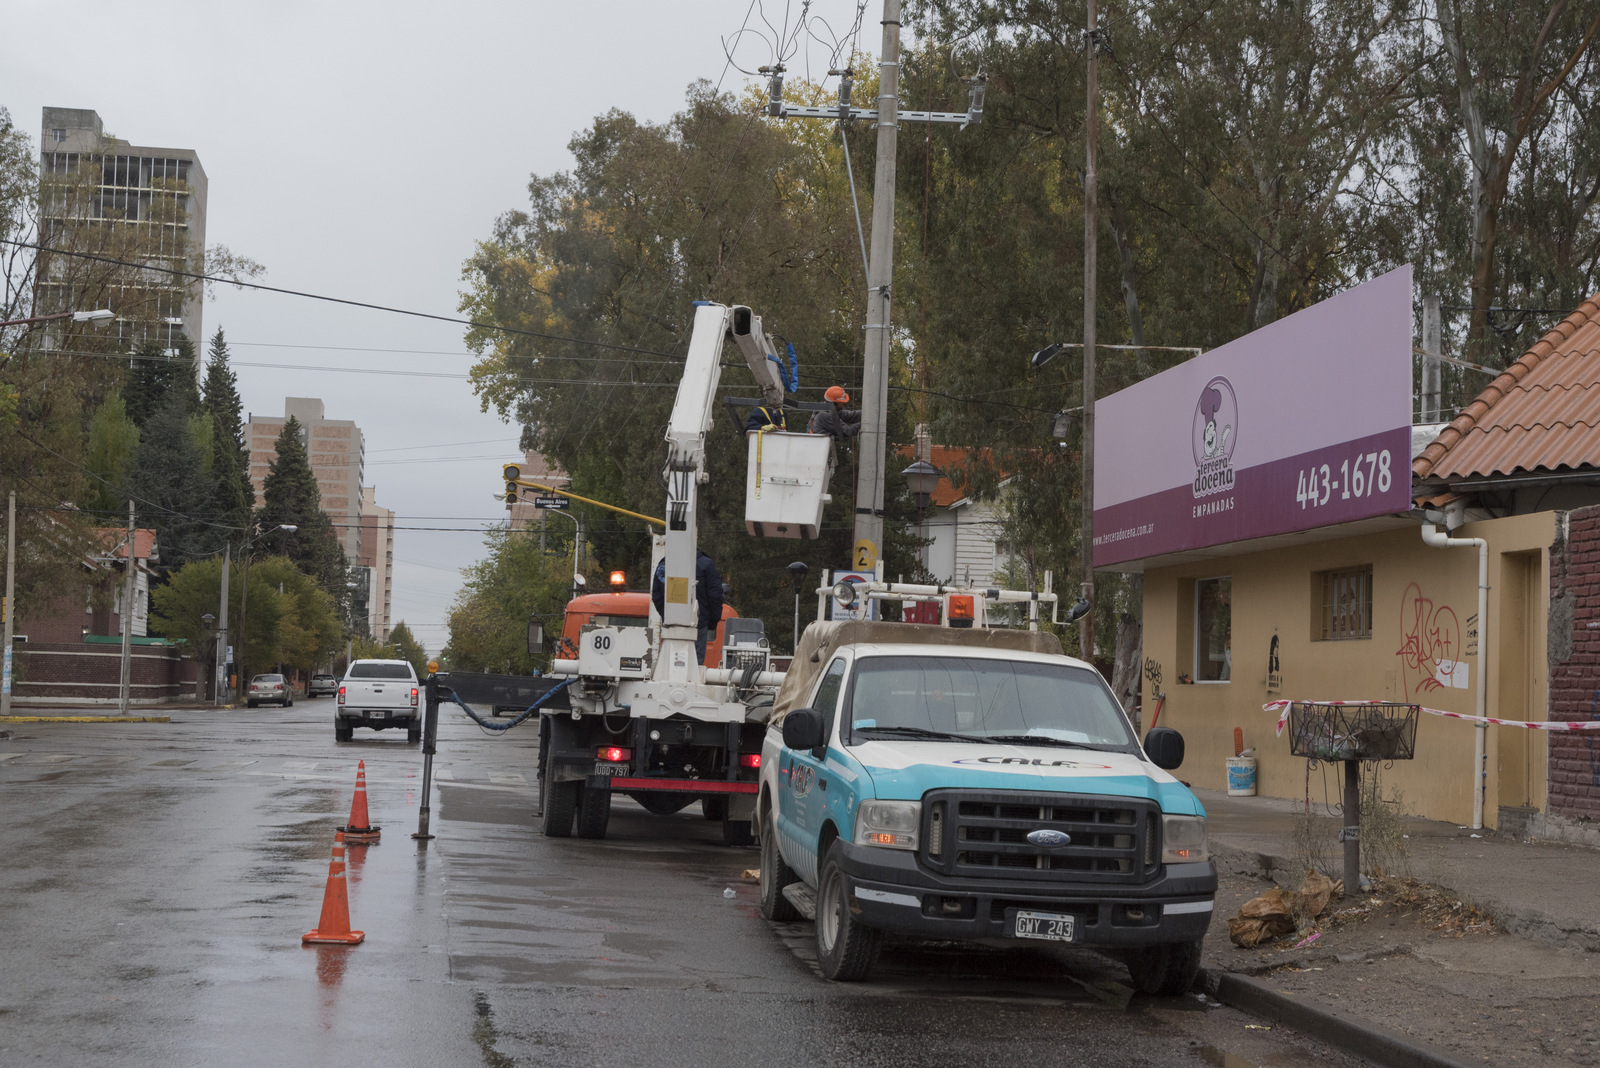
(646, 718)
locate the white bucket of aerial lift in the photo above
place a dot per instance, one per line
(614, 652)
(787, 483)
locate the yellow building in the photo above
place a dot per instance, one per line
(1364, 610)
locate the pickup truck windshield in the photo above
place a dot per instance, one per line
(1015, 701)
(379, 671)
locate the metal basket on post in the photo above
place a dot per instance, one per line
(1323, 730)
(1353, 731)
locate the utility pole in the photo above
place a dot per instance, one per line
(125, 690)
(1431, 344)
(6, 666)
(873, 441)
(1091, 44)
(220, 682)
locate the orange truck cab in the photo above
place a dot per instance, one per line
(623, 609)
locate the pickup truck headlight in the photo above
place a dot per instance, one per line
(889, 824)
(1183, 839)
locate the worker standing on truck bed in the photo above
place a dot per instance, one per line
(838, 422)
(707, 592)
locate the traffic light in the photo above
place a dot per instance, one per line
(512, 472)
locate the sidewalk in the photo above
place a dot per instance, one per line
(1545, 891)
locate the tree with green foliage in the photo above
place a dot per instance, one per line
(407, 648)
(230, 465)
(289, 497)
(513, 583)
(112, 452)
(292, 624)
(155, 375)
(170, 485)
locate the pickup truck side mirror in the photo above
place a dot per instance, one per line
(1164, 746)
(803, 729)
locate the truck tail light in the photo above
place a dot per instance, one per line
(613, 754)
(750, 760)
(413, 697)
(341, 695)
(960, 611)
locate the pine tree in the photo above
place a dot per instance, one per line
(169, 481)
(230, 458)
(153, 376)
(290, 497)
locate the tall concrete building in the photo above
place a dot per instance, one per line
(377, 556)
(337, 452)
(101, 194)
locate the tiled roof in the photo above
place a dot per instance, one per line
(116, 542)
(1541, 414)
(952, 461)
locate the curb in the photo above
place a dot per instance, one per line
(1349, 1033)
(85, 719)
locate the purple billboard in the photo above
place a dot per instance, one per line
(1301, 424)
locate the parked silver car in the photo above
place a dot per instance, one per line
(270, 688)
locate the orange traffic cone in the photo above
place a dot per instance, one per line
(360, 831)
(334, 926)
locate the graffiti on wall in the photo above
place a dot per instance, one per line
(1152, 674)
(1430, 651)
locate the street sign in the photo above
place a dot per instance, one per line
(551, 501)
(5, 672)
(230, 654)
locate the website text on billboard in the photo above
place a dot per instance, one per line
(1301, 424)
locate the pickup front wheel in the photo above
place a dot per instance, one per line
(846, 948)
(1166, 970)
(775, 875)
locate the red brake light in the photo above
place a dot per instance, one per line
(613, 754)
(750, 760)
(413, 697)
(341, 695)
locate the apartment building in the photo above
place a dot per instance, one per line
(377, 556)
(106, 196)
(337, 452)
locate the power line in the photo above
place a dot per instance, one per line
(236, 283)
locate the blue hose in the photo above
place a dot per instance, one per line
(530, 710)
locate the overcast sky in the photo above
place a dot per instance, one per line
(359, 150)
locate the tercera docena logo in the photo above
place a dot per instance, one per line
(1216, 419)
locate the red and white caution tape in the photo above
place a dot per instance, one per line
(1283, 707)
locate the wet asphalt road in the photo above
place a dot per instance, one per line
(157, 879)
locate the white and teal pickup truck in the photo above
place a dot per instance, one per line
(975, 784)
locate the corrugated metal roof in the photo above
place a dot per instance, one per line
(1541, 414)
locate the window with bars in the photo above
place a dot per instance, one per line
(1346, 605)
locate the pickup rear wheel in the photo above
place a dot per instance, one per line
(1166, 970)
(594, 812)
(341, 733)
(414, 733)
(846, 948)
(775, 875)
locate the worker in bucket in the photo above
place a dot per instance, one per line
(707, 592)
(838, 422)
(766, 418)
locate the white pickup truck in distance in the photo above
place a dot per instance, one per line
(379, 694)
(975, 785)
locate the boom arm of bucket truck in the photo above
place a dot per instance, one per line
(685, 472)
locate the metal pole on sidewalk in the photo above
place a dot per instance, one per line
(125, 689)
(6, 665)
(1351, 834)
(1091, 43)
(220, 682)
(430, 733)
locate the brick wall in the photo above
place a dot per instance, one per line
(72, 672)
(1575, 666)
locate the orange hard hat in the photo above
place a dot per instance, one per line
(837, 395)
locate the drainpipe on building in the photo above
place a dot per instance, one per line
(1433, 536)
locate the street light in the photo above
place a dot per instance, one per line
(797, 572)
(922, 478)
(244, 595)
(99, 315)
